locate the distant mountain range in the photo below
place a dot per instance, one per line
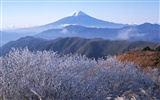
(11, 36)
(90, 47)
(79, 24)
(143, 32)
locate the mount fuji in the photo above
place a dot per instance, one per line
(81, 18)
(76, 18)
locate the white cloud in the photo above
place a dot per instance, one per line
(64, 31)
(128, 33)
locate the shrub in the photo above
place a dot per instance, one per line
(147, 48)
(47, 76)
(158, 48)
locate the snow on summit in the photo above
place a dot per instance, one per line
(77, 13)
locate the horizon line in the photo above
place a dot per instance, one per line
(18, 1)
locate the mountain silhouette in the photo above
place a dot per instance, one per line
(76, 18)
(90, 47)
(142, 32)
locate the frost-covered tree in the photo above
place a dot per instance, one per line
(46, 75)
(1, 78)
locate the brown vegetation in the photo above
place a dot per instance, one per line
(143, 58)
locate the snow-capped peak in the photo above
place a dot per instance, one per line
(77, 13)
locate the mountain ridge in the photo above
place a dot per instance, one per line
(90, 47)
(143, 32)
(145, 59)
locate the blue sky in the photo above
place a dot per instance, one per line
(38, 12)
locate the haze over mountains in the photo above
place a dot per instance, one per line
(143, 32)
(79, 24)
